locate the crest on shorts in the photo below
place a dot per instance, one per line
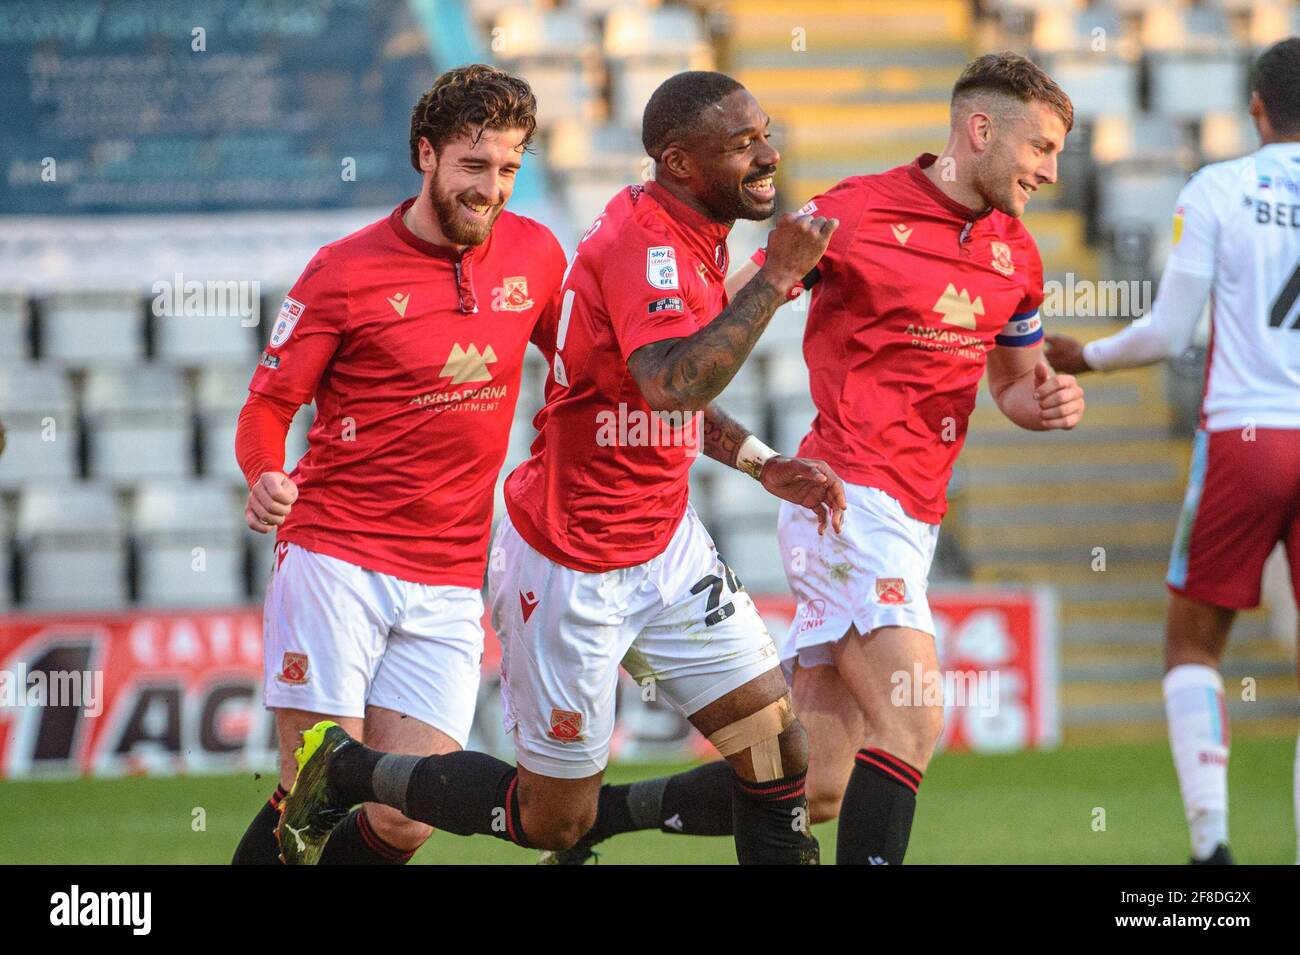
(294, 669)
(1002, 258)
(891, 590)
(566, 726)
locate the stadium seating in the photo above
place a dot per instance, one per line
(42, 433)
(138, 424)
(84, 328)
(72, 546)
(189, 544)
(185, 340)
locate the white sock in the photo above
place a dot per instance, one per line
(1198, 736)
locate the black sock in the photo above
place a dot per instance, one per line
(259, 845)
(771, 822)
(876, 815)
(693, 803)
(462, 793)
(355, 842)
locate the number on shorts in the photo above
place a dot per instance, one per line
(715, 610)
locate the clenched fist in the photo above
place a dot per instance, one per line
(795, 246)
(1059, 397)
(269, 501)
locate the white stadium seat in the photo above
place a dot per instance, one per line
(37, 407)
(138, 424)
(189, 340)
(83, 328)
(189, 545)
(72, 544)
(221, 392)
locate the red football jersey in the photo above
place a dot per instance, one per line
(412, 353)
(606, 485)
(912, 293)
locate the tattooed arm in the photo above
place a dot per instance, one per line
(805, 481)
(723, 436)
(685, 374)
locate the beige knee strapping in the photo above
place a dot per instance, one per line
(759, 733)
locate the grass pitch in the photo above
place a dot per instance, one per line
(1022, 808)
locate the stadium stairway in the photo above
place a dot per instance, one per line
(1092, 513)
(853, 86)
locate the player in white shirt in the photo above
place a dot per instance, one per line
(1236, 237)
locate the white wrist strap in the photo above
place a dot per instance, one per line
(752, 455)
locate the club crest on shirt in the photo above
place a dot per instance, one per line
(290, 311)
(293, 669)
(1002, 258)
(891, 590)
(513, 295)
(566, 726)
(661, 266)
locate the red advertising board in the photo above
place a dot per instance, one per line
(176, 692)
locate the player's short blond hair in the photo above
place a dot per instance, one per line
(1015, 76)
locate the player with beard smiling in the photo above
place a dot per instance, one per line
(601, 558)
(409, 336)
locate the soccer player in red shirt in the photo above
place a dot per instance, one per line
(409, 335)
(601, 559)
(930, 279)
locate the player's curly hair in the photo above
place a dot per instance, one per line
(1011, 74)
(1275, 76)
(474, 97)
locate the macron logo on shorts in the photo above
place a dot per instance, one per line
(527, 603)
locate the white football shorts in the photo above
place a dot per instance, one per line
(873, 574)
(338, 637)
(680, 620)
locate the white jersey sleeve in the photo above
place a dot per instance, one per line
(1236, 226)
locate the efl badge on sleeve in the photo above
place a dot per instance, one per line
(294, 669)
(891, 590)
(1002, 258)
(661, 266)
(566, 726)
(290, 312)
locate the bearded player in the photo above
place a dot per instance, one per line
(1236, 237)
(930, 279)
(409, 335)
(601, 558)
